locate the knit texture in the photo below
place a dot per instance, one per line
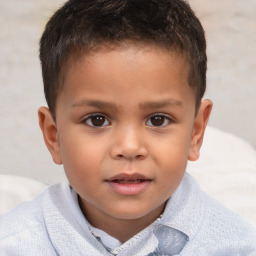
(192, 224)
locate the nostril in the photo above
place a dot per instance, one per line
(119, 156)
(128, 151)
(140, 156)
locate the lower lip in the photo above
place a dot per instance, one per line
(129, 189)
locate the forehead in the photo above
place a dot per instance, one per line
(127, 49)
(126, 67)
(129, 53)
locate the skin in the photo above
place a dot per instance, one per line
(128, 87)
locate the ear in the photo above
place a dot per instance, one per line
(198, 129)
(49, 130)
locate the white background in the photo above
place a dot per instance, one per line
(231, 34)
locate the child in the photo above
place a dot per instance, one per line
(124, 81)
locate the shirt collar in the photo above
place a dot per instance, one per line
(180, 221)
(185, 209)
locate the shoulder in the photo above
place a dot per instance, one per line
(23, 216)
(222, 231)
(25, 225)
(226, 222)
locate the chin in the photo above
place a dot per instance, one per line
(131, 213)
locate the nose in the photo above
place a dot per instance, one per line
(128, 144)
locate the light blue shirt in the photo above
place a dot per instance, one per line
(192, 224)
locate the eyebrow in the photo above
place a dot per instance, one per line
(94, 103)
(145, 105)
(161, 104)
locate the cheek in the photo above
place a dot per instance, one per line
(81, 157)
(172, 157)
(171, 174)
(173, 151)
(173, 168)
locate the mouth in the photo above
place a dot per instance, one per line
(129, 185)
(124, 181)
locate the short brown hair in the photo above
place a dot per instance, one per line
(83, 25)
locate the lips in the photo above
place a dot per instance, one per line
(129, 184)
(124, 181)
(128, 178)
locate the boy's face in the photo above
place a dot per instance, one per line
(125, 129)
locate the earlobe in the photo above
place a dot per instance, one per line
(199, 129)
(50, 134)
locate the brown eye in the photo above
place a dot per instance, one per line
(97, 121)
(158, 120)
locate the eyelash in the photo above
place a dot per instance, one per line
(103, 120)
(88, 120)
(167, 120)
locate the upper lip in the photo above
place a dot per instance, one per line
(126, 176)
